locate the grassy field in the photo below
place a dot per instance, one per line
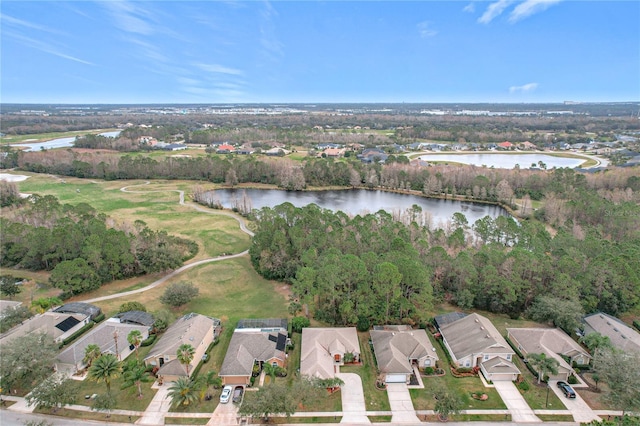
(96, 416)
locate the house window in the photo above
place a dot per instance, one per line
(427, 362)
(467, 363)
(508, 357)
(337, 358)
(486, 357)
(275, 364)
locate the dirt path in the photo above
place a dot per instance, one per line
(178, 271)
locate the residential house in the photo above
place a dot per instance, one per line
(323, 350)
(225, 149)
(6, 305)
(505, 145)
(528, 146)
(552, 342)
(473, 340)
(620, 334)
(197, 330)
(173, 147)
(334, 152)
(112, 338)
(254, 342)
(56, 325)
(373, 155)
(398, 349)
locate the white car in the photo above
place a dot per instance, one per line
(225, 396)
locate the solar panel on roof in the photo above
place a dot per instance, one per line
(281, 343)
(273, 338)
(67, 324)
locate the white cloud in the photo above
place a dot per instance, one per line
(530, 7)
(129, 17)
(218, 69)
(9, 20)
(470, 8)
(525, 88)
(425, 30)
(494, 10)
(44, 47)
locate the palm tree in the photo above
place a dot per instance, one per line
(91, 353)
(543, 365)
(135, 374)
(270, 370)
(185, 355)
(185, 391)
(105, 368)
(211, 380)
(135, 338)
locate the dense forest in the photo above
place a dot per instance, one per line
(376, 268)
(82, 248)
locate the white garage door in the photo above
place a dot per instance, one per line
(396, 378)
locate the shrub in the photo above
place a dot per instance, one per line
(298, 323)
(99, 318)
(636, 324)
(572, 380)
(131, 306)
(524, 386)
(178, 294)
(463, 370)
(149, 340)
(363, 323)
(429, 370)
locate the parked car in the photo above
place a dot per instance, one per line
(225, 396)
(237, 394)
(566, 389)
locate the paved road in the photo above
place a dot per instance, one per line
(518, 407)
(401, 404)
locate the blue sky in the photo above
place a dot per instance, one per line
(331, 51)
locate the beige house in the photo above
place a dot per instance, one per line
(197, 330)
(620, 334)
(323, 349)
(57, 325)
(254, 342)
(111, 336)
(473, 340)
(398, 349)
(552, 342)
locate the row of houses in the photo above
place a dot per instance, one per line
(471, 340)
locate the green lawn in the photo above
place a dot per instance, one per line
(375, 399)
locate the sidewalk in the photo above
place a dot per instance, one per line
(157, 409)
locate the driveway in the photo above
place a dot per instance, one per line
(354, 409)
(224, 414)
(517, 406)
(157, 408)
(580, 411)
(402, 410)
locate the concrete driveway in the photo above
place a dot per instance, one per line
(402, 410)
(224, 414)
(580, 411)
(517, 406)
(354, 409)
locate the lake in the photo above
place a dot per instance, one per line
(506, 161)
(361, 201)
(60, 142)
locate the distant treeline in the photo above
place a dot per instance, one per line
(81, 248)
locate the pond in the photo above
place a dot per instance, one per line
(360, 201)
(506, 161)
(59, 142)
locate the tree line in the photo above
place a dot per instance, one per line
(378, 269)
(80, 248)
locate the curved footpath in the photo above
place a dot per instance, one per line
(178, 271)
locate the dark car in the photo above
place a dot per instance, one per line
(567, 390)
(237, 394)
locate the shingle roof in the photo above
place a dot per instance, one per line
(319, 343)
(190, 329)
(549, 341)
(445, 319)
(474, 334)
(621, 335)
(102, 335)
(245, 348)
(499, 365)
(42, 323)
(394, 349)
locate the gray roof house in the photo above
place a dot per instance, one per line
(398, 349)
(136, 317)
(56, 325)
(552, 342)
(620, 334)
(322, 350)
(110, 336)
(197, 330)
(249, 347)
(473, 340)
(79, 308)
